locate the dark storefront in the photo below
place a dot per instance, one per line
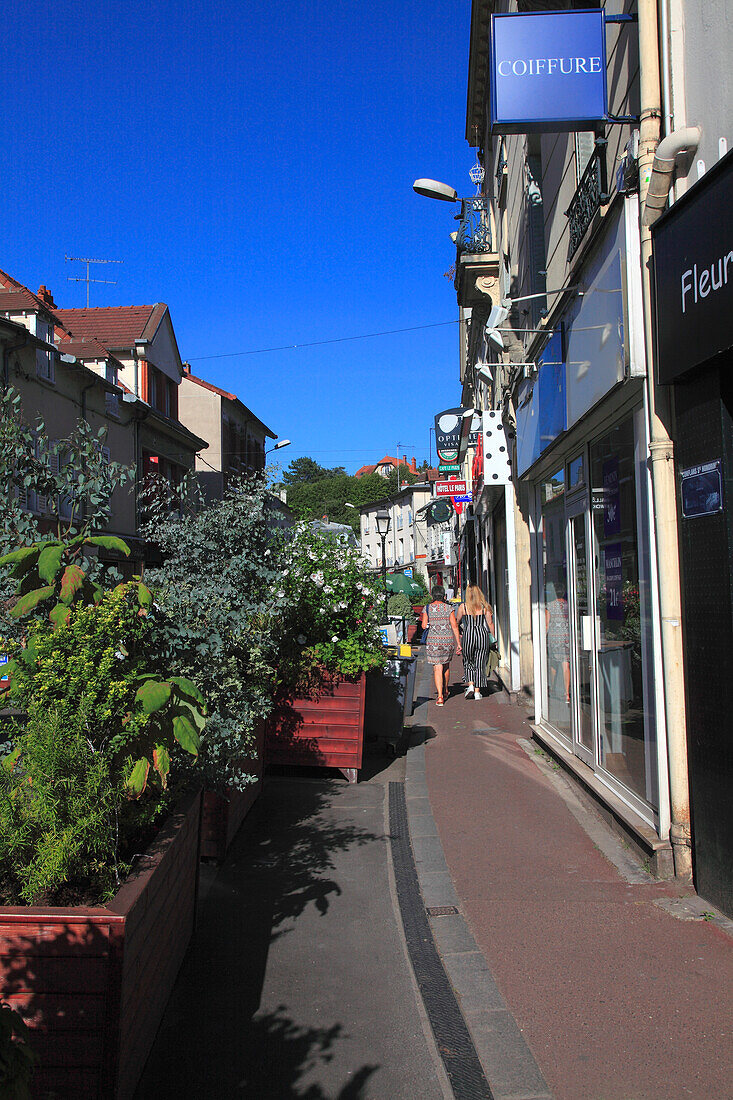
(693, 267)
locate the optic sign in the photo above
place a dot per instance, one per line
(548, 71)
(448, 427)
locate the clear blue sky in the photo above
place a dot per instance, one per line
(252, 164)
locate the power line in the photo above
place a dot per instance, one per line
(319, 343)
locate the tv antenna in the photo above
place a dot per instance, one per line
(88, 260)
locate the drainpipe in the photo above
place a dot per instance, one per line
(662, 450)
(684, 140)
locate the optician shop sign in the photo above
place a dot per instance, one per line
(693, 274)
(548, 71)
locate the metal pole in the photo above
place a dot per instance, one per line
(384, 576)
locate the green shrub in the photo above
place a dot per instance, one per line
(216, 594)
(65, 817)
(400, 604)
(328, 610)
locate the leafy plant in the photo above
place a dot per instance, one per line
(399, 604)
(99, 662)
(67, 826)
(58, 804)
(75, 476)
(329, 610)
(17, 1059)
(48, 573)
(216, 593)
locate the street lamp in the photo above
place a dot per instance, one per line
(278, 446)
(384, 521)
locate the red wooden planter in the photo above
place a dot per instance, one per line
(222, 815)
(325, 730)
(92, 983)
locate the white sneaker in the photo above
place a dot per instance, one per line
(468, 692)
(477, 694)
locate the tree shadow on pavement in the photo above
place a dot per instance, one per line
(282, 1053)
(213, 1041)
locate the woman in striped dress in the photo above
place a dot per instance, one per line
(443, 639)
(476, 621)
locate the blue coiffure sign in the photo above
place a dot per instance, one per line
(548, 71)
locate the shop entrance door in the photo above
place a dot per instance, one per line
(582, 643)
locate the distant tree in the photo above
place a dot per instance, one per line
(305, 470)
(406, 477)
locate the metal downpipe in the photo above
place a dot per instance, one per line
(662, 466)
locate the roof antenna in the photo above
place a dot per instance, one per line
(87, 280)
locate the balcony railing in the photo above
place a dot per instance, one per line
(474, 232)
(591, 195)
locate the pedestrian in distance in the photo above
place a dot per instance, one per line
(476, 621)
(443, 640)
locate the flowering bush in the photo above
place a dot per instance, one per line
(329, 610)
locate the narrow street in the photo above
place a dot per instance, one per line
(310, 975)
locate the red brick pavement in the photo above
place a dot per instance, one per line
(618, 999)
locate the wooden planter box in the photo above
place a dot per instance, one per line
(326, 730)
(222, 815)
(92, 983)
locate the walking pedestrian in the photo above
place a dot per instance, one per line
(476, 621)
(443, 639)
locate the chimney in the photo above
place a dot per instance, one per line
(186, 368)
(413, 465)
(46, 296)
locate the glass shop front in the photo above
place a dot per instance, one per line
(595, 611)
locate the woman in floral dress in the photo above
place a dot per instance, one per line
(443, 640)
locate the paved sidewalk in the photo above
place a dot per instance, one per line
(297, 983)
(616, 998)
(460, 925)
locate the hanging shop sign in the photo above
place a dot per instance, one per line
(450, 488)
(439, 511)
(450, 426)
(693, 274)
(548, 71)
(449, 468)
(701, 489)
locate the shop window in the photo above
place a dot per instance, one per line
(622, 614)
(576, 472)
(556, 686)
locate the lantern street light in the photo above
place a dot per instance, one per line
(384, 521)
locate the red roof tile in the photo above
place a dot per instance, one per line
(114, 326)
(16, 298)
(85, 347)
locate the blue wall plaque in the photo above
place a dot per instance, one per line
(548, 71)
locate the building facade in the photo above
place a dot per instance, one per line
(579, 544)
(406, 544)
(236, 438)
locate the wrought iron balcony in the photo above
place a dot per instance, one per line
(591, 195)
(474, 232)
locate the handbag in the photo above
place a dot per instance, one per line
(493, 662)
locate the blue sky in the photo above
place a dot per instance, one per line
(252, 165)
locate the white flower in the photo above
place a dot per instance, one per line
(335, 638)
(281, 595)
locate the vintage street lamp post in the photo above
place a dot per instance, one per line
(383, 524)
